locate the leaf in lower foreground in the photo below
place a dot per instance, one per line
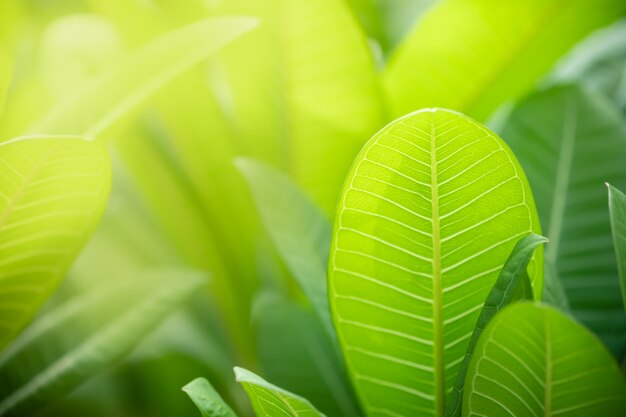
(428, 216)
(299, 230)
(208, 401)
(534, 361)
(71, 343)
(53, 191)
(617, 213)
(512, 284)
(473, 55)
(118, 90)
(297, 354)
(571, 141)
(270, 401)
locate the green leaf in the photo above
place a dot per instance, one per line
(107, 98)
(430, 211)
(532, 360)
(617, 212)
(52, 193)
(300, 232)
(270, 401)
(71, 343)
(512, 285)
(570, 142)
(313, 115)
(297, 354)
(207, 399)
(473, 55)
(5, 75)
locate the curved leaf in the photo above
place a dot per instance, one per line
(108, 97)
(207, 399)
(52, 194)
(300, 232)
(570, 142)
(617, 211)
(270, 401)
(534, 361)
(473, 55)
(512, 284)
(430, 211)
(83, 336)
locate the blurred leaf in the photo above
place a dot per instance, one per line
(532, 360)
(570, 142)
(430, 211)
(300, 232)
(53, 191)
(388, 21)
(270, 401)
(108, 97)
(5, 75)
(598, 63)
(512, 285)
(617, 211)
(297, 354)
(207, 399)
(85, 335)
(473, 55)
(314, 96)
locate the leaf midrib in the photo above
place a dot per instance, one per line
(561, 187)
(437, 285)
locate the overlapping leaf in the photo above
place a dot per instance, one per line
(270, 401)
(473, 55)
(52, 193)
(430, 211)
(617, 210)
(570, 142)
(83, 336)
(532, 360)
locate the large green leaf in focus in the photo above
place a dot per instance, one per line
(570, 142)
(83, 336)
(297, 354)
(270, 401)
(207, 399)
(534, 361)
(617, 211)
(52, 193)
(110, 96)
(512, 285)
(298, 229)
(473, 55)
(430, 211)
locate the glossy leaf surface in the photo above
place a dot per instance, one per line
(617, 210)
(532, 360)
(430, 211)
(207, 399)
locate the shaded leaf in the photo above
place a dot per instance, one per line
(52, 193)
(532, 360)
(430, 211)
(617, 211)
(570, 142)
(300, 232)
(297, 354)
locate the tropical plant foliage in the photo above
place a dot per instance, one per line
(390, 208)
